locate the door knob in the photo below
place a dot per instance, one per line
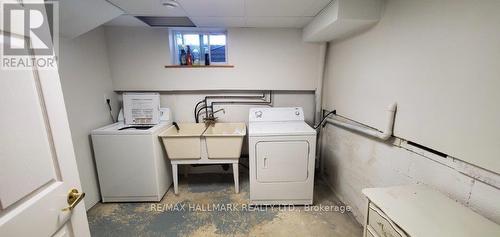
(74, 197)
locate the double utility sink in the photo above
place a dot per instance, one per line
(223, 140)
(197, 143)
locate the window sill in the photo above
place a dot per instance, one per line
(200, 66)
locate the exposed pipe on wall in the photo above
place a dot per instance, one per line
(318, 112)
(319, 84)
(383, 135)
(264, 99)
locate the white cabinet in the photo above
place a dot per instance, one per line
(380, 224)
(420, 211)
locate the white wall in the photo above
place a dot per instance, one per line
(262, 58)
(354, 162)
(440, 61)
(86, 78)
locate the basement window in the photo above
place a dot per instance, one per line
(200, 42)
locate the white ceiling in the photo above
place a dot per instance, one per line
(225, 13)
(74, 21)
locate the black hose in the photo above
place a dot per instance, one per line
(196, 110)
(326, 116)
(199, 111)
(176, 126)
(108, 101)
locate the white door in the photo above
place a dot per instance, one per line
(282, 161)
(37, 162)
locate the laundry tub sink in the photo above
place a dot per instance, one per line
(195, 143)
(224, 140)
(185, 143)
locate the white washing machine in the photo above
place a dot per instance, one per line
(282, 151)
(131, 163)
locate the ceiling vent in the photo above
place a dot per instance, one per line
(166, 21)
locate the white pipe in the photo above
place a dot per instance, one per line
(386, 134)
(318, 99)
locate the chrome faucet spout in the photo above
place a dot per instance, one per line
(223, 111)
(211, 119)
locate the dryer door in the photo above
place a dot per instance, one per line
(282, 161)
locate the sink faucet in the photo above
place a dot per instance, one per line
(211, 120)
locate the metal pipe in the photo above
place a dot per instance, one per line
(318, 93)
(210, 105)
(261, 97)
(199, 111)
(383, 135)
(217, 111)
(318, 100)
(269, 102)
(206, 107)
(236, 96)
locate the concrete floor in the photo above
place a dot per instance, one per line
(199, 192)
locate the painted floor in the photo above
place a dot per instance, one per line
(207, 206)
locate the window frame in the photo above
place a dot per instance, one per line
(175, 50)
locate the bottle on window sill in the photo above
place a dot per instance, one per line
(207, 59)
(183, 57)
(189, 57)
(196, 56)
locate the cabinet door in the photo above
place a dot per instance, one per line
(283, 161)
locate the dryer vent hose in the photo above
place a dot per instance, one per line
(324, 117)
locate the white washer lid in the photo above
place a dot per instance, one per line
(114, 129)
(292, 128)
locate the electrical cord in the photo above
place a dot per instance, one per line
(108, 101)
(326, 116)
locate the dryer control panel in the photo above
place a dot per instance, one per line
(276, 114)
